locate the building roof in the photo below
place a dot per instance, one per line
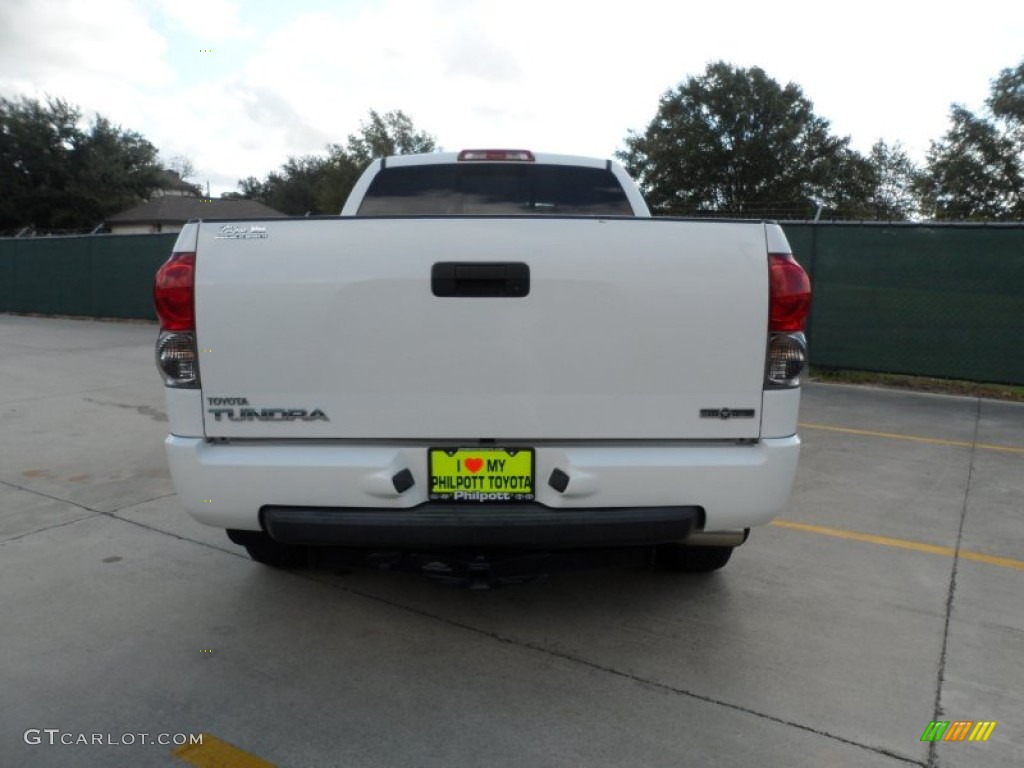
(172, 209)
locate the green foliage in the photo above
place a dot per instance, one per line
(115, 170)
(384, 135)
(340, 174)
(892, 197)
(57, 175)
(319, 185)
(294, 189)
(734, 141)
(976, 170)
(1006, 100)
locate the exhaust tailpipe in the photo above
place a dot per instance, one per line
(716, 538)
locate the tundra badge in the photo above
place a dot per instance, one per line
(260, 414)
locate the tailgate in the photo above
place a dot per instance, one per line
(631, 327)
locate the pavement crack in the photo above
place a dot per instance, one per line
(933, 754)
(100, 513)
(35, 492)
(565, 656)
(114, 512)
(177, 536)
(25, 535)
(87, 508)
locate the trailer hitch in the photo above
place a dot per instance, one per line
(482, 570)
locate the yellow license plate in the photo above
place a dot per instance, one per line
(472, 474)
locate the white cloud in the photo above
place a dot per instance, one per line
(73, 49)
(471, 54)
(574, 77)
(208, 20)
(565, 77)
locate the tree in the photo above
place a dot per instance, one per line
(892, 197)
(182, 166)
(1006, 102)
(57, 175)
(292, 190)
(383, 136)
(35, 143)
(249, 188)
(341, 172)
(734, 141)
(114, 169)
(318, 184)
(976, 170)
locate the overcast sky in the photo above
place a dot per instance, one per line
(239, 86)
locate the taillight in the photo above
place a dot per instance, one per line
(789, 303)
(174, 292)
(790, 293)
(177, 359)
(523, 155)
(177, 356)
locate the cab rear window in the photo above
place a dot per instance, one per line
(495, 189)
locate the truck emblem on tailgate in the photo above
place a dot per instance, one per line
(259, 414)
(235, 232)
(727, 413)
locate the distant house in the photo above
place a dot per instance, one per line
(169, 212)
(171, 183)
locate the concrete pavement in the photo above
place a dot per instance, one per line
(811, 648)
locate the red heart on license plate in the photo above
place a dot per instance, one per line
(474, 465)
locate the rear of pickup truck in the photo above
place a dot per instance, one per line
(483, 382)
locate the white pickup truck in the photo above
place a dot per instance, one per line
(489, 354)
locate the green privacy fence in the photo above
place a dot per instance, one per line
(96, 276)
(934, 300)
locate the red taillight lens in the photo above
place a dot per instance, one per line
(790, 293)
(174, 292)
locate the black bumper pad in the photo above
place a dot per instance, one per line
(520, 526)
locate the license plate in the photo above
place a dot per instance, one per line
(472, 474)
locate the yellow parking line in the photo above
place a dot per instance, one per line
(885, 541)
(914, 438)
(214, 753)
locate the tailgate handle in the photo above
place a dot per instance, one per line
(480, 278)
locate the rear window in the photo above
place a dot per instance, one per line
(495, 189)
